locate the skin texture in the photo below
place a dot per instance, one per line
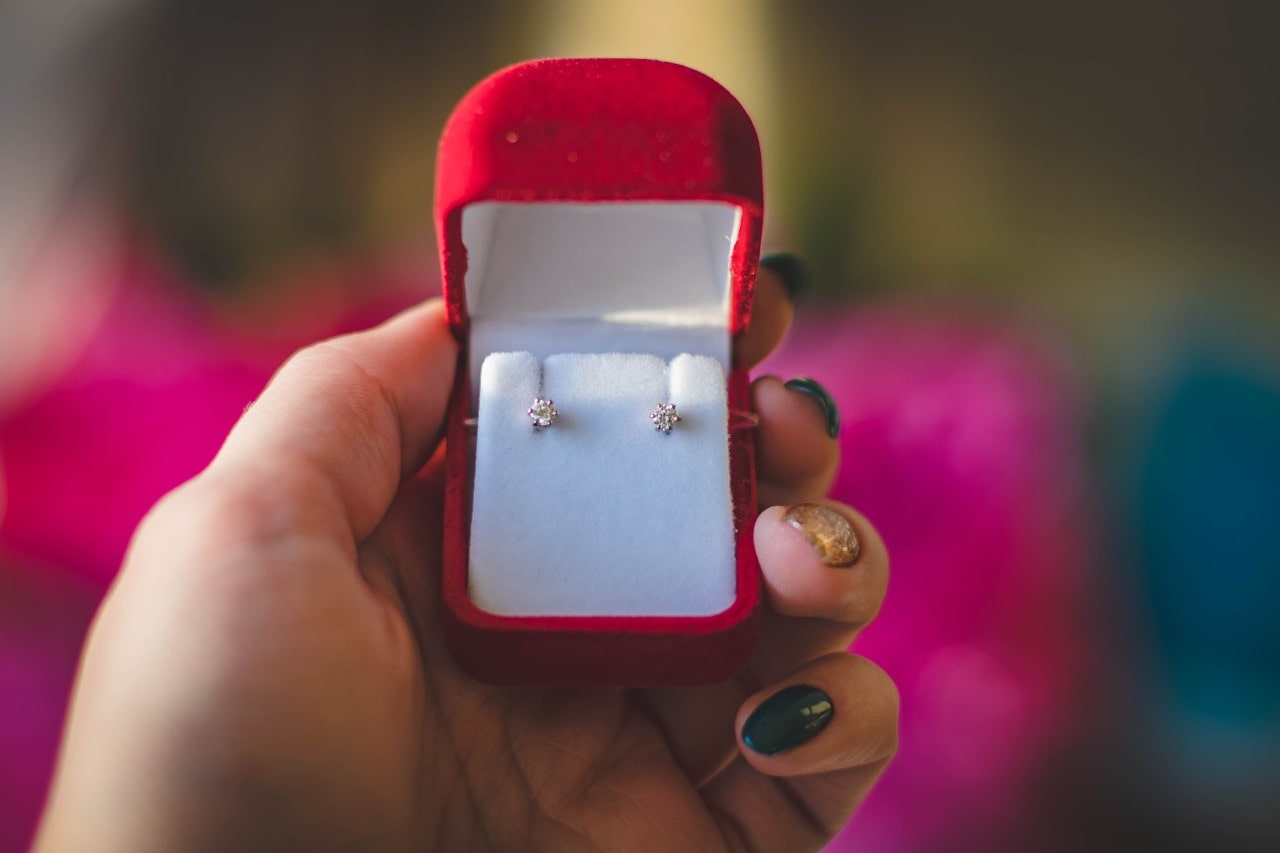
(268, 673)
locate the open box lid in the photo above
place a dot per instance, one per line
(599, 204)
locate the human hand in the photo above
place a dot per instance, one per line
(268, 670)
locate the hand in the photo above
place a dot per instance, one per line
(268, 671)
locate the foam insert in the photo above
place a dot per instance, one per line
(601, 514)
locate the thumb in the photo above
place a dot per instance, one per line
(349, 418)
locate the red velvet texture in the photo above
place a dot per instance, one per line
(606, 130)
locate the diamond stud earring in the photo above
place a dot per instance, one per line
(542, 413)
(664, 417)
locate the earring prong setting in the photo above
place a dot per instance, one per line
(543, 413)
(664, 417)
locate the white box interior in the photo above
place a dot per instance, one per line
(552, 277)
(600, 513)
(608, 309)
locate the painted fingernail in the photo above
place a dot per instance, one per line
(828, 532)
(787, 719)
(819, 395)
(793, 272)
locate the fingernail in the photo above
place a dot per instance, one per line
(792, 270)
(819, 395)
(828, 532)
(788, 718)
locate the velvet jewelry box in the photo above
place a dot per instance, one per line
(599, 229)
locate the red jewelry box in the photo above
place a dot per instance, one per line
(604, 132)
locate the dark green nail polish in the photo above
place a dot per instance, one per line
(793, 272)
(787, 718)
(805, 385)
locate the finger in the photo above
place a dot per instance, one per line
(345, 421)
(825, 571)
(847, 718)
(822, 561)
(818, 599)
(781, 283)
(811, 746)
(796, 450)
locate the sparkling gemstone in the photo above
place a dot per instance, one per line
(664, 417)
(543, 413)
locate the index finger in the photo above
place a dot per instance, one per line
(344, 421)
(771, 314)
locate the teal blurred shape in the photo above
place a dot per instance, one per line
(1208, 537)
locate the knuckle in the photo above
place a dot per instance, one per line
(859, 610)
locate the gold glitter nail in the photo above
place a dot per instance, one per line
(828, 532)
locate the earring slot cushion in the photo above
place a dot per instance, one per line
(590, 518)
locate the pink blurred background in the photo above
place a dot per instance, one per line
(1043, 257)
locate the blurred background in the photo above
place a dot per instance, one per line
(1044, 256)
